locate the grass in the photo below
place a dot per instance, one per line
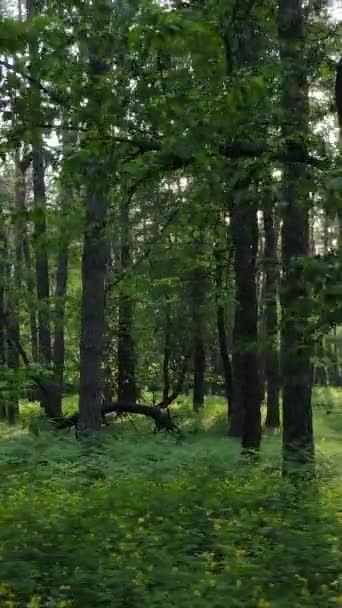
(143, 520)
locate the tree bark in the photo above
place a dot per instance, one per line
(271, 268)
(127, 390)
(61, 289)
(199, 373)
(246, 417)
(167, 353)
(219, 254)
(3, 249)
(95, 248)
(13, 332)
(199, 354)
(15, 277)
(40, 224)
(160, 415)
(296, 347)
(42, 266)
(61, 281)
(30, 282)
(94, 260)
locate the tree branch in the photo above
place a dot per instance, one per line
(34, 81)
(162, 418)
(234, 151)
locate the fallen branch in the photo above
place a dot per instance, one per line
(162, 417)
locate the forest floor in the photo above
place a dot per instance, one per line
(154, 521)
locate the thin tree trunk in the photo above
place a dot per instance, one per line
(261, 295)
(3, 249)
(271, 266)
(15, 277)
(59, 341)
(167, 354)
(246, 416)
(110, 346)
(199, 354)
(13, 334)
(40, 225)
(30, 282)
(61, 286)
(42, 267)
(296, 348)
(127, 390)
(199, 373)
(221, 326)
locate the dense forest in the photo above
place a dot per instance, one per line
(171, 283)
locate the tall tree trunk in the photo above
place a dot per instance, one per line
(110, 346)
(246, 416)
(167, 353)
(296, 348)
(127, 391)
(95, 248)
(40, 225)
(219, 254)
(198, 287)
(30, 282)
(61, 280)
(261, 295)
(3, 249)
(61, 290)
(271, 266)
(199, 362)
(13, 336)
(15, 278)
(42, 267)
(94, 260)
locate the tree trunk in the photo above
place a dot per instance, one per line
(30, 282)
(246, 417)
(15, 277)
(199, 354)
(221, 325)
(271, 267)
(12, 362)
(199, 373)
(261, 296)
(95, 251)
(94, 260)
(3, 249)
(127, 390)
(162, 417)
(167, 354)
(296, 348)
(59, 341)
(61, 283)
(42, 267)
(40, 226)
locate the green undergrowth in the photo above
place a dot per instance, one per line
(136, 520)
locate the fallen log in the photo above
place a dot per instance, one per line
(162, 417)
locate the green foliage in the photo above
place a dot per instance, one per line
(323, 274)
(158, 522)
